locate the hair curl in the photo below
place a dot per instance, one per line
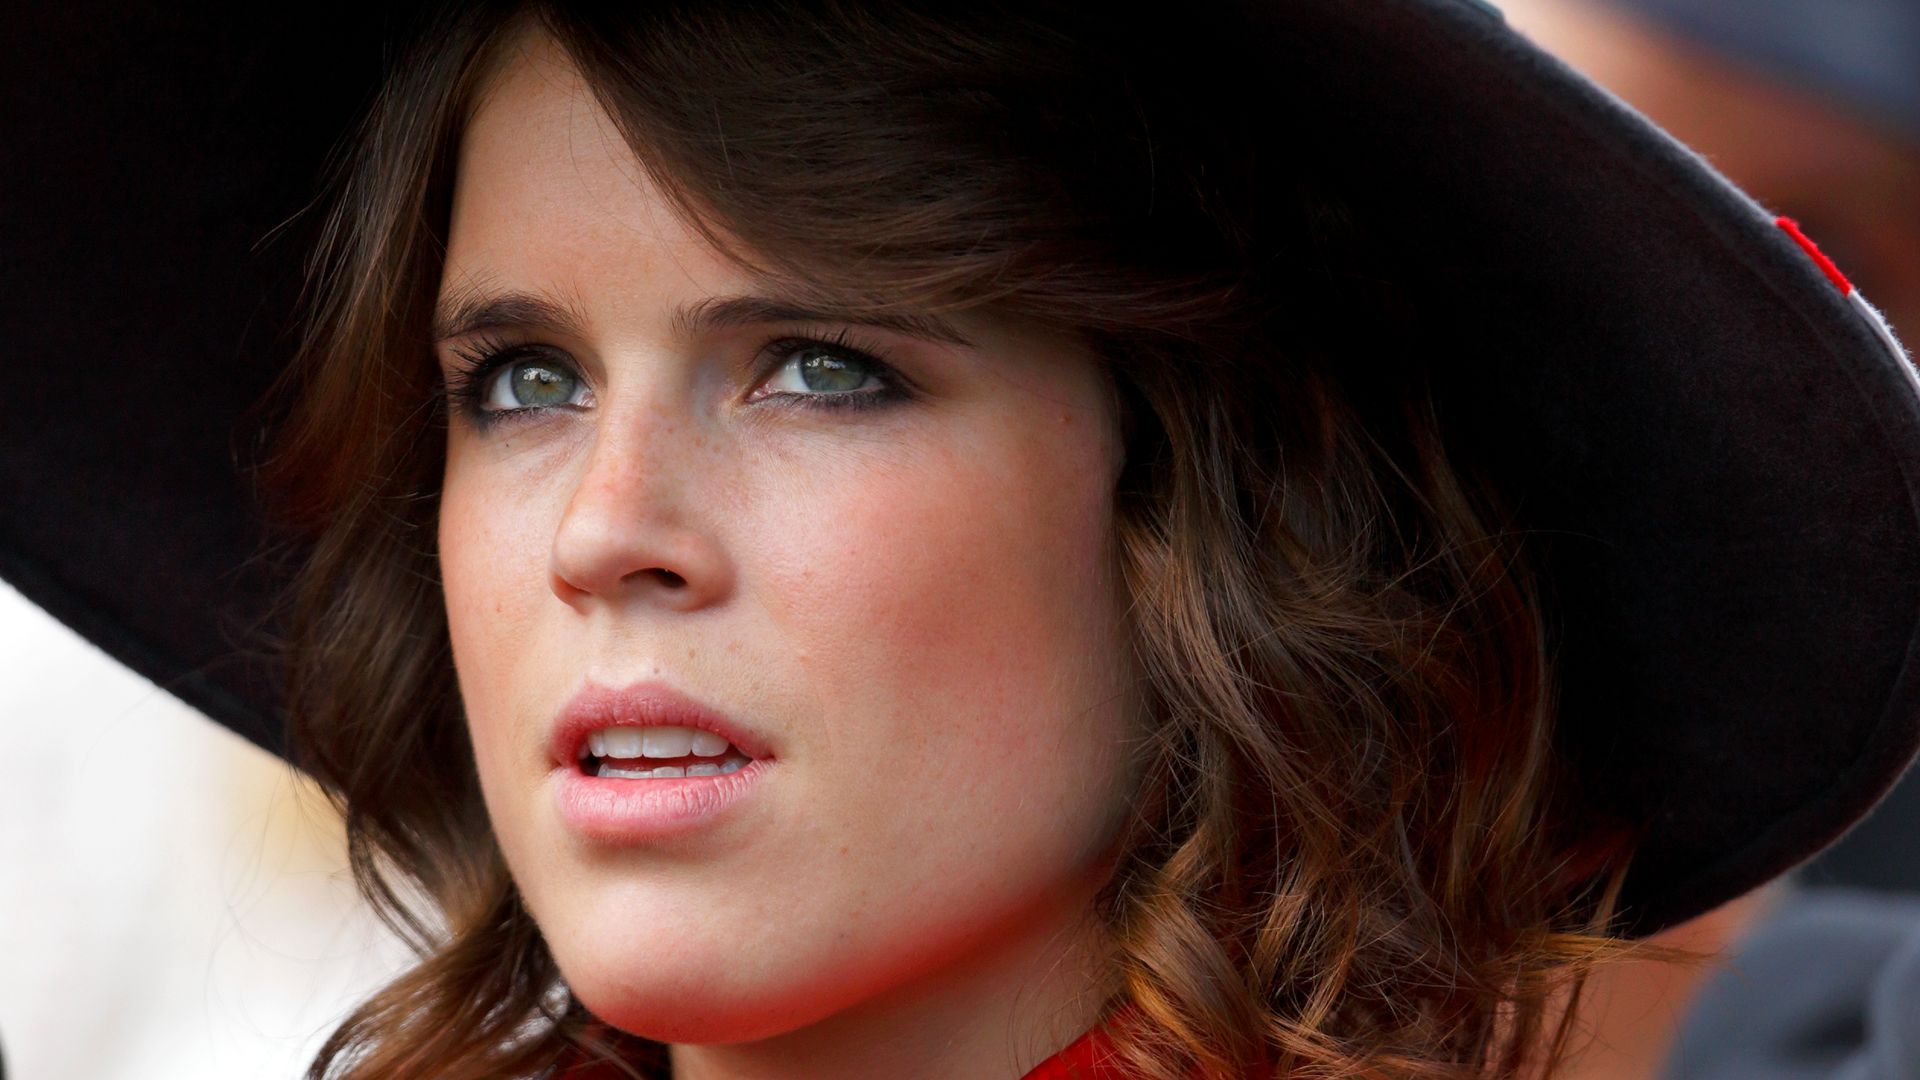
(1356, 853)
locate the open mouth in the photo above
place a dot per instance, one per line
(627, 752)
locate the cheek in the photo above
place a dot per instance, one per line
(493, 551)
(952, 653)
(960, 601)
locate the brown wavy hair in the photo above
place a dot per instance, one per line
(1356, 853)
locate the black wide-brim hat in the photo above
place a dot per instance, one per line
(1714, 438)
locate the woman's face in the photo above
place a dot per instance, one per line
(897, 579)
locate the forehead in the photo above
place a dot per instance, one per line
(551, 202)
(553, 213)
(547, 192)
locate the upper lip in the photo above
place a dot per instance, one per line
(641, 705)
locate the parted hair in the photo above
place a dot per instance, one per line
(1356, 851)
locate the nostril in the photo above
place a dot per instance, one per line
(667, 577)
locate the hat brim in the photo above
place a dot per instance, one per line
(1714, 440)
(1716, 449)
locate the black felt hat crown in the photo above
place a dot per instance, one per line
(1719, 435)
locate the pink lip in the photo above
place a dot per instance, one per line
(640, 705)
(627, 811)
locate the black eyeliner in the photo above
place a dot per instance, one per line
(476, 364)
(892, 387)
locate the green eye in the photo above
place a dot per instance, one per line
(540, 385)
(827, 373)
(531, 384)
(503, 381)
(830, 374)
(817, 369)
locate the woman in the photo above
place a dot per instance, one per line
(854, 541)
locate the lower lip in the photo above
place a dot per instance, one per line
(628, 811)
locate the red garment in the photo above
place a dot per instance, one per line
(1090, 1057)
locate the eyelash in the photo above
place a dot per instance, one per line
(476, 365)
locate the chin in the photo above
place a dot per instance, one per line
(686, 1002)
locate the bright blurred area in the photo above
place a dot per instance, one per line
(176, 900)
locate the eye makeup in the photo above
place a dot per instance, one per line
(470, 387)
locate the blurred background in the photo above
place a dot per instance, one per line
(177, 903)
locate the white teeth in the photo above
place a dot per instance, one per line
(667, 742)
(670, 772)
(621, 742)
(627, 741)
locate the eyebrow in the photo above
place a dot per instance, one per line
(462, 313)
(471, 312)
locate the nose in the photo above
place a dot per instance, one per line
(627, 533)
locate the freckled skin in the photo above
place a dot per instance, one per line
(916, 606)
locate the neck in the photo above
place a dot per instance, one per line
(994, 1017)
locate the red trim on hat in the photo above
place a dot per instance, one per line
(1792, 228)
